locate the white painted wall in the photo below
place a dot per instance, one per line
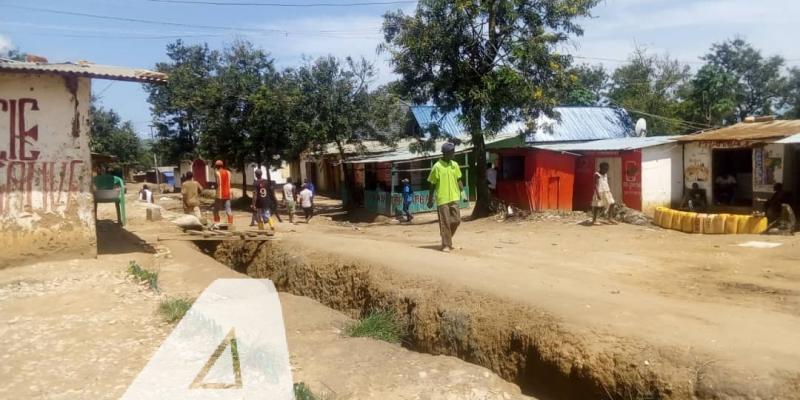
(46, 201)
(662, 176)
(697, 167)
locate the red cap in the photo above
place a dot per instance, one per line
(218, 163)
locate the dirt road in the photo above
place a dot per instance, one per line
(732, 312)
(83, 329)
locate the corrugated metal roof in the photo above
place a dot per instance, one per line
(365, 148)
(583, 123)
(630, 143)
(794, 139)
(404, 153)
(447, 122)
(86, 69)
(570, 124)
(749, 131)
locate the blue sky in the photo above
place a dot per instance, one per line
(684, 29)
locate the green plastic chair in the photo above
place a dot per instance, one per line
(110, 189)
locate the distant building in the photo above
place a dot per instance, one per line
(544, 170)
(46, 200)
(758, 153)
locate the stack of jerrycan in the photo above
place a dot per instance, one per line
(717, 224)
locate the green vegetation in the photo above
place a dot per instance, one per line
(143, 275)
(381, 325)
(302, 392)
(173, 309)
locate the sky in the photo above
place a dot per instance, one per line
(683, 29)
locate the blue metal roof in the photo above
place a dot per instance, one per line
(583, 123)
(447, 122)
(629, 143)
(571, 124)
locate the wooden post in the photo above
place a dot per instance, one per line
(466, 179)
(391, 190)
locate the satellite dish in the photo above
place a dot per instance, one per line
(641, 127)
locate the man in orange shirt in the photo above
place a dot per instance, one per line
(223, 197)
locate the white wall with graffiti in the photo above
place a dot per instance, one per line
(46, 202)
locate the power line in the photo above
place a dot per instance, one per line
(180, 24)
(270, 4)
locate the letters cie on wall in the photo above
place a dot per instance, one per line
(30, 178)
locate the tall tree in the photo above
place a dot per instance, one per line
(587, 86)
(791, 95)
(710, 97)
(495, 60)
(649, 86)
(180, 107)
(110, 135)
(340, 109)
(227, 135)
(758, 84)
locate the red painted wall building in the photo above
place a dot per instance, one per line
(537, 180)
(625, 177)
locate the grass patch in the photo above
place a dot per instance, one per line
(143, 275)
(172, 310)
(381, 325)
(302, 392)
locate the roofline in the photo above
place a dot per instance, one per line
(42, 69)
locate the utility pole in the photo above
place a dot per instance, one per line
(155, 158)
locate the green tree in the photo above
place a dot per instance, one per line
(110, 135)
(758, 83)
(649, 86)
(496, 61)
(587, 86)
(227, 130)
(180, 107)
(791, 94)
(710, 98)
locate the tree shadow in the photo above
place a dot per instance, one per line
(112, 238)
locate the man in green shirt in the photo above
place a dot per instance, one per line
(445, 180)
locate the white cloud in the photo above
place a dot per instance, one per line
(5, 44)
(685, 29)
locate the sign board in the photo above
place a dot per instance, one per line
(230, 345)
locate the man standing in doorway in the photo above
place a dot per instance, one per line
(223, 196)
(602, 199)
(446, 186)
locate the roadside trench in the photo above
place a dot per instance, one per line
(521, 344)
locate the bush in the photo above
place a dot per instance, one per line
(302, 392)
(172, 310)
(381, 325)
(143, 275)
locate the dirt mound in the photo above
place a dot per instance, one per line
(522, 344)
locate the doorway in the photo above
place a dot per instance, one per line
(614, 175)
(732, 176)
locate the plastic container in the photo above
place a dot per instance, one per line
(657, 216)
(699, 223)
(719, 224)
(666, 218)
(687, 222)
(757, 225)
(732, 224)
(742, 224)
(708, 225)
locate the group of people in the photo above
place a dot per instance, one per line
(264, 205)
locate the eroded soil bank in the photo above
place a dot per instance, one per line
(521, 344)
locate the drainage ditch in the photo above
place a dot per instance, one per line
(521, 344)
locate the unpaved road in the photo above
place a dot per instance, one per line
(82, 329)
(704, 299)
